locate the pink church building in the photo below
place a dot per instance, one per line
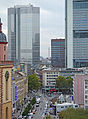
(3, 44)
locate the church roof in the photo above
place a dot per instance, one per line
(2, 35)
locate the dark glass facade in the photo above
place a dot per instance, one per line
(58, 53)
(80, 33)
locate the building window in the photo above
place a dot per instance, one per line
(86, 87)
(4, 57)
(6, 112)
(4, 48)
(6, 89)
(80, 34)
(86, 96)
(62, 107)
(80, 5)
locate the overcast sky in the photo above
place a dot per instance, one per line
(52, 17)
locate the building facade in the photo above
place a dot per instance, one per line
(86, 94)
(70, 72)
(5, 79)
(49, 78)
(24, 34)
(20, 88)
(49, 75)
(68, 34)
(76, 33)
(80, 90)
(58, 53)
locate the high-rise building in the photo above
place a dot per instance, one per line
(5, 79)
(76, 33)
(24, 34)
(58, 53)
(69, 33)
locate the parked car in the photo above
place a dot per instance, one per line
(30, 115)
(37, 105)
(33, 111)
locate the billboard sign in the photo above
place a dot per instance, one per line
(15, 93)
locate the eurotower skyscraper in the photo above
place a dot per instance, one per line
(76, 33)
(24, 34)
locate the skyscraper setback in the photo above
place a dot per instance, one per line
(76, 33)
(24, 34)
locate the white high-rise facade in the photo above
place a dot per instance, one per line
(69, 33)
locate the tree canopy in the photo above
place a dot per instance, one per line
(33, 82)
(48, 117)
(74, 114)
(64, 83)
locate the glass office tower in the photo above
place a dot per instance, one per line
(58, 53)
(24, 34)
(79, 29)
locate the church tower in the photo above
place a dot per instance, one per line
(3, 43)
(5, 79)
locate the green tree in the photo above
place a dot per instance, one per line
(27, 110)
(48, 117)
(33, 82)
(29, 106)
(33, 101)
(64, 84)
(74, 114)
(69, 81)
(60, 82)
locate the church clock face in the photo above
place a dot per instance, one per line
(7, 75)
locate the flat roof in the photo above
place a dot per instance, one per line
(65, 104)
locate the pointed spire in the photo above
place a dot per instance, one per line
(0, 26)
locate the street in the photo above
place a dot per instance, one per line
(41, 110)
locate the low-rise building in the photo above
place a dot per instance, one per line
(49, 75)
(49, 78)
(70, 72)
(20, 88)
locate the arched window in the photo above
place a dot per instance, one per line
(6, 112)
(7, 77)
(4, 57)
(6, 89)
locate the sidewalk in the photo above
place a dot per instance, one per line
(22, 108)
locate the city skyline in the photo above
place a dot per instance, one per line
(49, 29)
